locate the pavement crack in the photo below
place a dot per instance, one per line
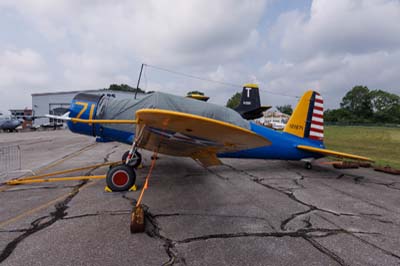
(302, 233)
(326, 251)
(107, 157)
(42, 222)
(99, 213)
(353, 234)
(291, 196)
(153, 230)
(294, 216)
(217, 175)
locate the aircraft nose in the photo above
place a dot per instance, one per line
(84, 106)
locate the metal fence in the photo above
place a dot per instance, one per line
(10, 159)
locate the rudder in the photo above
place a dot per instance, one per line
(250, 106)
(307, 119)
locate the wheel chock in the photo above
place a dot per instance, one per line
(137, 220)
(108, 189)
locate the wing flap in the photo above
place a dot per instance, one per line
(206, 158)
(334, 153)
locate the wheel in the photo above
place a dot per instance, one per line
(308, 165)
(120, 178)
(135, 161)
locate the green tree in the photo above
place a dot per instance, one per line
(358, 103)
(286, 109)
(337, 115)
(385, 106)
(234, 101)
(123, 87)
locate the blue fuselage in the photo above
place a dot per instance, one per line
(283, 147)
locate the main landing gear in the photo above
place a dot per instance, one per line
(307, 163)
(123, 177)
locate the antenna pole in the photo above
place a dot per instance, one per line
(138, 82)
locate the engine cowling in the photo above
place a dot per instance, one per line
(84, 106)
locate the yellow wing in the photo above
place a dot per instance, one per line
(182, 134)
(334, 153)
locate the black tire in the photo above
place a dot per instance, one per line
(308, 165)
(120, 178)
(135, 163)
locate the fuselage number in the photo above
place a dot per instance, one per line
(296, 127)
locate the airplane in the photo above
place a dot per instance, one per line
(179, 126)
(9, 123)
(249, 107)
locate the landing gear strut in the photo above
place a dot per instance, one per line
(134, 161)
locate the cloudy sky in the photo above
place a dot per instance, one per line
(285, 46)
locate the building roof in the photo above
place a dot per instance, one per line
(276, 114)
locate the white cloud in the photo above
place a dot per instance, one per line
(90, 44)
(159, 32)
(21, 73)
(338, 45)
(95, 43)
(340, 26)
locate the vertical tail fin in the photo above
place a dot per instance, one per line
(250, 106)
(307, 120)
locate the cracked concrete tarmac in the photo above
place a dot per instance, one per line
(246, 212)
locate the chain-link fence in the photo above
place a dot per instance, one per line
(10, 159)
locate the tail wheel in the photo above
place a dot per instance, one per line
(120, 178)
(135, 160)
(308, 165)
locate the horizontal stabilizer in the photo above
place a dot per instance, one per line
(253, 114)
(64, 117)
(333, 153)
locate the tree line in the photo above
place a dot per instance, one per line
(361, 105)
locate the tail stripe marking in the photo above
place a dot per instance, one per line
(317, 116)
(318, 112)
(317, 120)
(316, 134)
(317, 130)
(313, 125)
(317, 123)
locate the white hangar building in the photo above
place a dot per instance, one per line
(58, 103)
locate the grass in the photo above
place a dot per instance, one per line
(382, 144)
